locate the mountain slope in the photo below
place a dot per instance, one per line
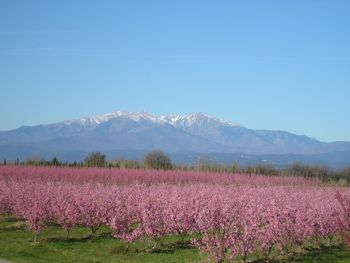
(125, 131)
(241, 139)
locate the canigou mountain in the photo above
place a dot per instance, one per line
(133, 133)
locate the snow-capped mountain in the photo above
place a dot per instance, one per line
(93, 121)
(195, 119)
(175, 120)
(122, 131)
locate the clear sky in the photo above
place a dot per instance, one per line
(264, 64)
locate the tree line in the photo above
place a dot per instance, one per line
(153, 160)
(159, 160)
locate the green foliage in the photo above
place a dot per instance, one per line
(55, 162)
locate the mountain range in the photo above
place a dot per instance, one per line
(184, 137)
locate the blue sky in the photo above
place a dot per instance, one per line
(281, 65)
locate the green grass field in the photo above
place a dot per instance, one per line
(16, 245)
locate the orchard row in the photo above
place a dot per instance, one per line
(226, 220)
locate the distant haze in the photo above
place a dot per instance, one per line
(185, 137)
(277, 65)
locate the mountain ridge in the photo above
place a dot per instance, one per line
(142, 131)
(137, 116)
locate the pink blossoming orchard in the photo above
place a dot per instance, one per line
(228, 216)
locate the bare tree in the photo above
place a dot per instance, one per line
(157, 160)
(95, 159)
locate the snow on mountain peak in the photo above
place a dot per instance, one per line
(175, 120)
(194, 118)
